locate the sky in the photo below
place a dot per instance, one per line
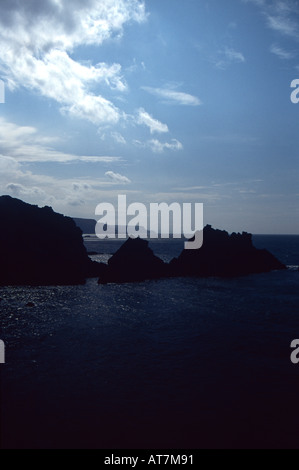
(162, 101)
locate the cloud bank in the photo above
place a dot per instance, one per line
(37, 39)
(24, 144)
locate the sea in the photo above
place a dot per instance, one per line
(170, 364)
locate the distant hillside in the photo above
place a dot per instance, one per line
(88, 226)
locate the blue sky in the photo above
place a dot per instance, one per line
(165, 101)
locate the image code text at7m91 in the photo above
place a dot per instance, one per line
(158, 459)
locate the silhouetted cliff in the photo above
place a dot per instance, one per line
(40, 247)
(224, 255)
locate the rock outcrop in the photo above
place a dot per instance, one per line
(224, 255)
(133, 262)
(40, 247)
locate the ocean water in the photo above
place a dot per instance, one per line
(179, 364)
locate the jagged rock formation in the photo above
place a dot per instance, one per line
(40, 247)
(133, 262)
(224, 255)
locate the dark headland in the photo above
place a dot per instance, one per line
(41, 247)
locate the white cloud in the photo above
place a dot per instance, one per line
(281, 53)
(37, 39)
(233, 55)
(25, 144)
(159, 147)
(37, 44)
(156, 146)
(143, 118)
(81, 186)
(191, 188)
(118, 138)
(60, 78)
(22, 184)
(8, 166)
(19, 191)
(65, 195)
(281, 16)
(63, 25)
(172, 96)
(103, 159)
(117, 178)
(283, 25)
(229, 56)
